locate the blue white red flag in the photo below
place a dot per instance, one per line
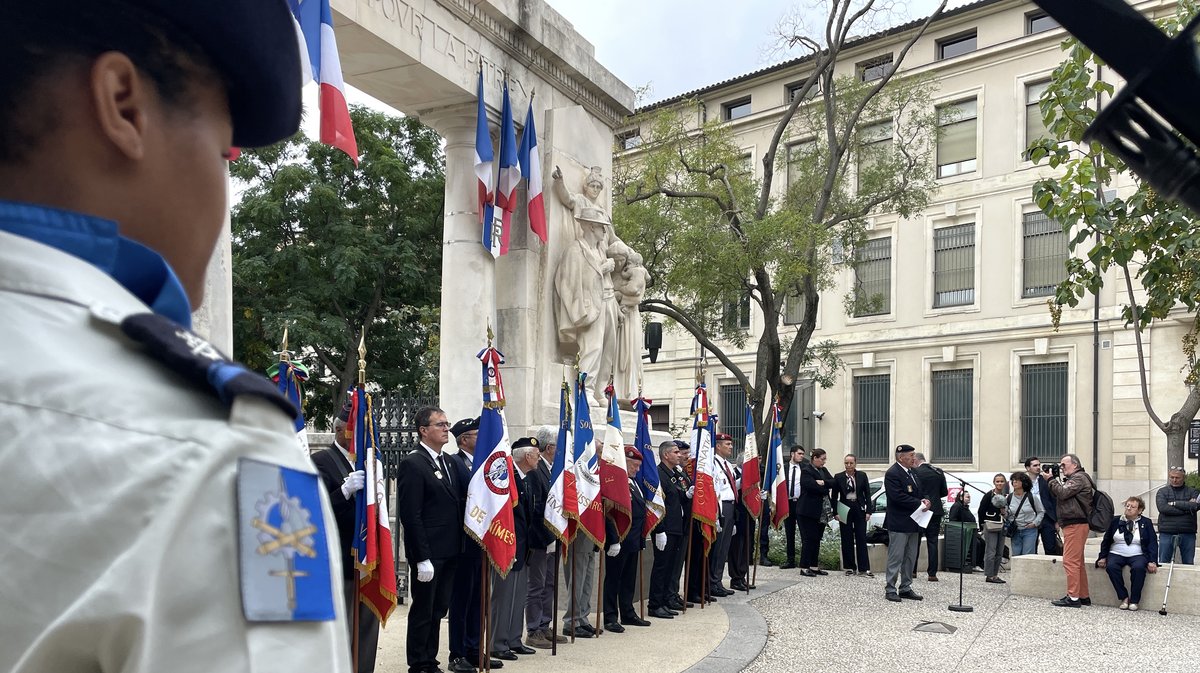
(373, 543)
(510, 172)
(647, 476)
(704, 499)
(288, 376)
(491, 493)
(483, 175)
(587, 472)
(750, 481)
(531, 171)
(319, 58)
(777, 495)
(562, 505)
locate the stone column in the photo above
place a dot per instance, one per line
(213, 319)
(468, 276)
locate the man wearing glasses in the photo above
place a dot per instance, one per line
(1177, 505)
(431, 513)
(1048, 529)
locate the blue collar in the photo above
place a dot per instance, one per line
(140, 270)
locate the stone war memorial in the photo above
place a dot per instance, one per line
(547, 302)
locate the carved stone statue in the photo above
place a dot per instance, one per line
(629, 281)
(586, 310)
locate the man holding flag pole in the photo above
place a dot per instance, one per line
(704, 498)
(589, 532)
(746, 512)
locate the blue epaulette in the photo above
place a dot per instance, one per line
(198, 361)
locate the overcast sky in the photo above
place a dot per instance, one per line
(675, 46)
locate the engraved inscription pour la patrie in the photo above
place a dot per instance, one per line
(444, 42)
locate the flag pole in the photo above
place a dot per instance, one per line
(554, 611)
(362, 383)
(687, 571)
(641, 586)
(748, 534)
(600, 595)
(571, 583)
(485, 659)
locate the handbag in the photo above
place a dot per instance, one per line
(1010, 528)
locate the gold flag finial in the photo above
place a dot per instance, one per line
(490, 334)
(284, 353)
(362, 358)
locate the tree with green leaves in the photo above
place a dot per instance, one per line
(331, 251)
(713, 236)
(1152, 244)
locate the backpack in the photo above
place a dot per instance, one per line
(1102, 512)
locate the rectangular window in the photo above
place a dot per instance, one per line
(732, 418)
(957, 45)
(660, 417)
(953, 402)
(746, 164)
(1038, 22)
(793, 309)
(876, 68)
(1044, 410)
(1035, 127)
(872, 417)
(629, 139)
(1043, 255)
(736, 109)
(956, 147)
(954, 266)
(794, 88)
(799, 155)
(736, 314)
(875, 144)
(873, 277)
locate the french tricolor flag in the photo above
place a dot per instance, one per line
(777, 495)
(510, 171)
(531, 170)
(314, 30)
(483, 174)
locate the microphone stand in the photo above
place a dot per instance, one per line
(962, 542)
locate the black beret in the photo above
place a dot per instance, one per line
(679, 443)
(344, 412)
(253, 45)
(525, 441)
(464, 426)
(904, 448)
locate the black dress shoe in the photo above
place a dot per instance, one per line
(808, 573)
(739, 586)
(522, 649)
(719, 592)
(583, 631)
(506, 655)
(1086, 600)
(634, 621)
(495, 663)
(461, 665)
(788, 566)
(765, 562)
(662, 613)
(818, 571)
(614, 627)
(895, 598)
(912, 595)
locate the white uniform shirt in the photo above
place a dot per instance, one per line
(120, 543)
(721, 481)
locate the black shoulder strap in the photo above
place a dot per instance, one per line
(199, 362)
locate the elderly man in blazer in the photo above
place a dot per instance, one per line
(431, 513)
(904, 496)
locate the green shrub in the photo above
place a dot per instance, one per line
(829, 558)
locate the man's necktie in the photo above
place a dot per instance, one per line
(445, 469)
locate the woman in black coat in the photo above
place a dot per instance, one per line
(815, 482)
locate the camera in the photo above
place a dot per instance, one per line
(1052, 470)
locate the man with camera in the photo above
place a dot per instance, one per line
(1047, 530)
(1073, 489)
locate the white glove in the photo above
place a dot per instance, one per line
(719, 527)
(353, 483)
(425, 571)
(660, 541)
(615, 549)
(763, 495)
(691, 491)
(734, 531)
(552, 547)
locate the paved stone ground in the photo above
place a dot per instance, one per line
(843, 624)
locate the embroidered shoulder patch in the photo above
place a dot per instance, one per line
(283, 550)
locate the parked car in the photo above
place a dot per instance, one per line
(980, 481)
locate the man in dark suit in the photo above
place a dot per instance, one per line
(1047, 530)
(335, 464)
(430, 507)
(663, 585)
(677, 601)
(743, 536)
(852, 489)
(904, 497)
(624, 555)
(791, 476)
(933, 485)
(464, 597)
(539, 604)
